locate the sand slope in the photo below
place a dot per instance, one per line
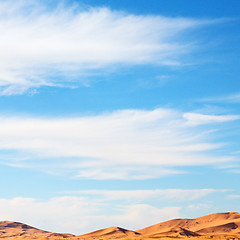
(213, 224)
(176, 232)
(15, 229)
(217, 224)
(111, 232)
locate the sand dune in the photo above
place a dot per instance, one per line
(217, 225)
(15, 230)
(230, 228)
(177, 232)
(213, 224)
(111, 232)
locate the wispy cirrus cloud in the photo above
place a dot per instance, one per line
(199, 119)
(124, 144)
(140, 195)
(231, 98)
(40, 44)
(234, 196)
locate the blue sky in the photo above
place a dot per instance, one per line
(118, 113)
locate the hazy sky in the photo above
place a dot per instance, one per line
(118, 112)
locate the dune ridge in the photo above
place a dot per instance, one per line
(10, 229)
(216, 224)
(212, 225)
(115, 232)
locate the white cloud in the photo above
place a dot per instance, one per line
(231, 168)
(125, 173)
(41, 44)
(144, 215)
(200, 206)
(79, 215)
(234, 196)
(237, 171)
(126, 144)
(61, 214)
(95, 209)
(198, 119)
(140, 195)
(85, 211)
(233, 98)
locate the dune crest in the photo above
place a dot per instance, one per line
(10, 229)
(216, 224)
(111, 232)
(212, 225)
(209, 225)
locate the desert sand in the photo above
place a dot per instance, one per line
(213, 226)
(19, 230)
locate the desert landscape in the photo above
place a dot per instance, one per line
(216, 226)
(119, 119)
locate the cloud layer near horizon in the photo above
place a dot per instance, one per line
(111, 145)
(56, 46)
(85, 212)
